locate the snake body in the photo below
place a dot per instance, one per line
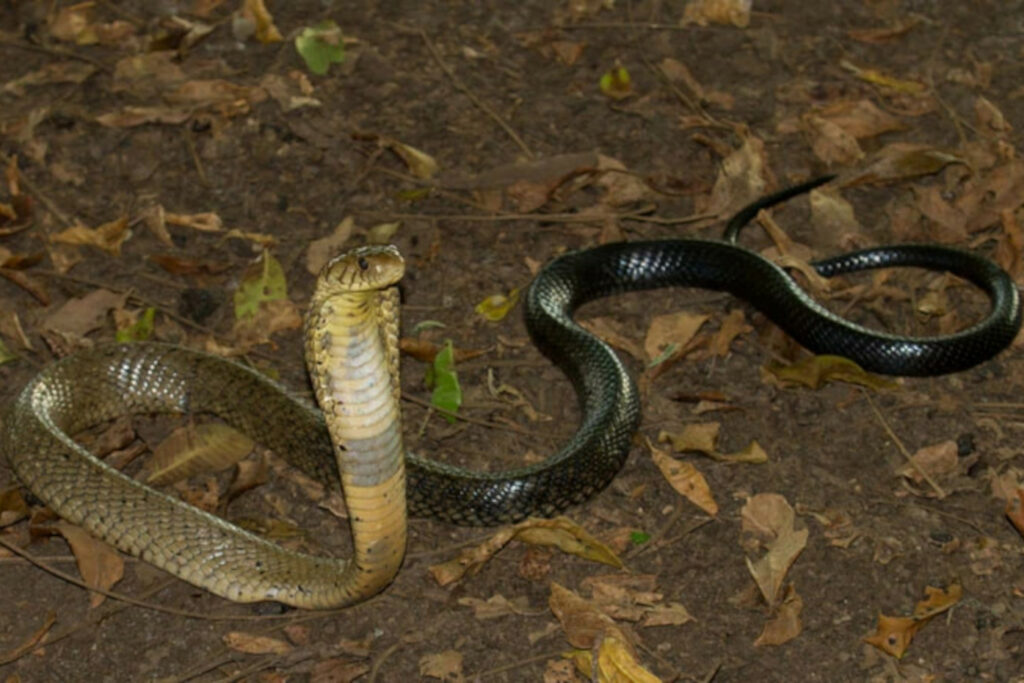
(361, 439)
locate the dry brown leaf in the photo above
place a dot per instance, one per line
(861, 118)
(901, 161)
(13, 507)
(832, 216)
(560, 532)
(733, 325)
(272, 316)
(107, 237)
(446, 666)
(672, 614)
(702, 437)
(192, 450)
(55, 72)
(253, 644)
(785, 624)
(203, 222)
(816, 371)
(100, 565)
(893, 635)
(729, 12)
(770, 523)
(741, 179)
(130, 117)
(685, 479)
(256, 12)
(613, 332)
(620, 186)
(320, 251)
(81, 316)
(74, 24)
(420, 164)
(425, 351)
(149, 74)
(831, 143)
(671, 332)
(337, 671)
(495, 606)
(938, 461)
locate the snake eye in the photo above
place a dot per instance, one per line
(363, 263)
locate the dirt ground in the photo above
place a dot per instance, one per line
(916, 105)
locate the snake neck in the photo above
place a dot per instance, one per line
(347, 356)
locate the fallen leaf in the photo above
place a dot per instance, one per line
(685, 479)
(876, 77)
(320, 251)
(194, 449)
(612, 331)
(495, 606)
(560, 532)
(769, 523)
(337, 671)
(616, 83)
(672, 329)
(900, 161)
(702, 437)
(446, 666)
(742, 178)
(108, 237)
(496, 306)
(253, 644)
(729, 12)
(816, 371)
(938, 461)
(13, 507)
(81, 316)
(263, 281)
(785, 624)
(426, 351)
(256, 12)
(733, 325)
(420, 164)
(100, 565)
(893, 635)
(831, 143)
(203, 222)
(672, 614)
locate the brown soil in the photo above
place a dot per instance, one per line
(295, 174)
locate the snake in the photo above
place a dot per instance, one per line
(353, 440)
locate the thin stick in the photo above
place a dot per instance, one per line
(903, 449)
(469, 93)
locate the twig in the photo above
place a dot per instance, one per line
(903, 449)
(515, 665)
(34, 190)
(469, 93)
(54, 52)
(539, 217)
(472, 420)
(190, 144)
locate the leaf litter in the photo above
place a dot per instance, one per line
(867, 129)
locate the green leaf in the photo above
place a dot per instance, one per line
(426, 325)
(320, 46)
(140, 330)
(638, 537)
(441, 377)
(264, 281)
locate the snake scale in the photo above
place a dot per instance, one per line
(351, 340)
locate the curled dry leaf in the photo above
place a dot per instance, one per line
(938, 461)
(785, 625)
(1015, 510)
(256, 12)
(420, 164)
(560, 532)
(770, 523)
(100, 565)
(702, 437)
(204, 222)
(613, 332)
(495, 606)
(831, 143)
(741, 179)
(13, 507)
(192, 450)
(893, 635)
(685, 479)
(107, 237)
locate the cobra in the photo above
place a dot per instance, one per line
(351, 348)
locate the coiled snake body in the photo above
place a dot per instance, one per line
(351, 339)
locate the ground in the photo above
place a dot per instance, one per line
(916, 106)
